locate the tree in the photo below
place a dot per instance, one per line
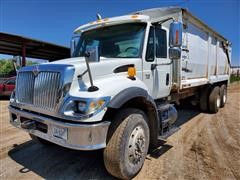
(30, 63)
(7, 67)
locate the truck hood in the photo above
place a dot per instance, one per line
(106, 66)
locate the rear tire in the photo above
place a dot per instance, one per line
(128, 142)
(223, 95)
(214, 100)
(39, 140)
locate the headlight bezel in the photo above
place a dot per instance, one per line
(71, 107)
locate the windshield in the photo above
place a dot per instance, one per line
(118, 41)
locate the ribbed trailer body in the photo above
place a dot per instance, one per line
(205, 53)
(205, 56)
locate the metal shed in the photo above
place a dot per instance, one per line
(26, 47)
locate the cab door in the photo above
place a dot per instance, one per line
(157, 65)
(148, 60)
(163, 63)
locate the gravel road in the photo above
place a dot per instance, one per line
(207, 146)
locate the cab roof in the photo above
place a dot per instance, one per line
(149, 15)
(112, 21)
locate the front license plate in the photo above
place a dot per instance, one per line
(60, 132)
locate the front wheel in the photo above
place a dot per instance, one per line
(128, 142)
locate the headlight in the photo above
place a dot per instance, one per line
(85, 106)
(82, 106)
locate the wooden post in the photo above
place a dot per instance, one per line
(23, 54)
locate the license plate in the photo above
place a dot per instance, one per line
(60, 132)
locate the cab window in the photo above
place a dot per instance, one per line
(161, 43)
(150, 46)
(157, 44)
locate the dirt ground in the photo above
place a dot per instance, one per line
(207, 146)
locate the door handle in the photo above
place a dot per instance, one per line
(153, 66)
(167, 79)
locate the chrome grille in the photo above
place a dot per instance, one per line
(41, 91)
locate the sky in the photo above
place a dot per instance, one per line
(54, 20)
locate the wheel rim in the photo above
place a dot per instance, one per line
(136, 145)
(218, 101)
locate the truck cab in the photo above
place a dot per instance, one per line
(114, 93)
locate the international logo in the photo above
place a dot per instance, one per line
(35, 70)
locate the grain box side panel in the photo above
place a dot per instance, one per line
(195, 60)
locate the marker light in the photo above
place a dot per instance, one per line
(177, 37)
(131, 71)
(134, 16)
(106, 19)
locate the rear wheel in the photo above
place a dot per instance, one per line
(128, 142)
(223, 95)
(39, 140)
(214, 100)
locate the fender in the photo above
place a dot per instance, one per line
(126, 95)
(150, 108)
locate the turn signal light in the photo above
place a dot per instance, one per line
(131, 71)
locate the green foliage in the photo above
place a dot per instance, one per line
(30, 63)
(6, 65)
(234, 78)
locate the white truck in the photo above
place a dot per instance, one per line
(117, 90)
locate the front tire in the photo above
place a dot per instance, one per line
(128, 142)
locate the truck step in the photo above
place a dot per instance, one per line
(168, 133)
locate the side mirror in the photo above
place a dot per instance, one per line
(92, 54)
(175, 34)
(174, 53)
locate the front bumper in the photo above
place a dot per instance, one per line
(79, 136)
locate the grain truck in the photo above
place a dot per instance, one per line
(117, 91)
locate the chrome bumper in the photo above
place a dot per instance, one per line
(79, 136)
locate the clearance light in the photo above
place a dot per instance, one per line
(134, 16)
(106, 19)
(131, 72)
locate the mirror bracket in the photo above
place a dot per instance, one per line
(90, 55)
(174, 53)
